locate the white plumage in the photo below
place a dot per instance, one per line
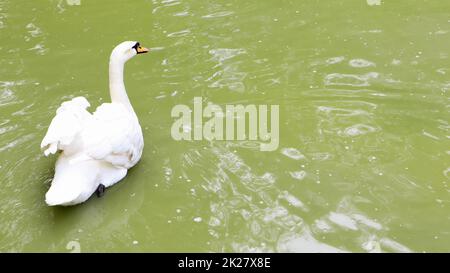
(95, 148)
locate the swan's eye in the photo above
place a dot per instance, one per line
(136, 47)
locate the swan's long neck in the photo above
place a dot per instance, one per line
(116, 84)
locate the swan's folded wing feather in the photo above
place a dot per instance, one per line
(114, 136)
(66, 125)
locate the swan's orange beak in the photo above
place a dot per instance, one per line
(141, 50)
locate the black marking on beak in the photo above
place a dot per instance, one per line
(139, 49)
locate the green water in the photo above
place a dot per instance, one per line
(363, 161)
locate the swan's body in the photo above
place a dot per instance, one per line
(99, 148)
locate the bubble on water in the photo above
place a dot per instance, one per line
(430, 135)
(342, 220)
(6, 129)
(157, 48)
(267, 177)
(373, 2)
(73, 2)
(335, 60)
(34, 30)
(135, 242)
(17, 142)
(255, 228)
(214, 221)
(292, 153)
(293, 201)
(442, 71)
(74, 246)
(321, 156)
(300, 175)
(222, 54)
(322, 225)
(441, 32)
(367, 222)
(360, 63)
(218, 14)
(39, 49)
(340, 112)
(394, 246)
(236, 86)
(168, 173)
(305, 243)
(350, 79)
(198, 219)
(180, 33)
(359, 129)
(181, 13)
(372, 246)
(272, 213)
(230, 75)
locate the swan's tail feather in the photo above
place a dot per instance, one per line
(54, 198)
(63, 192)
(66, 125)
(73, 183)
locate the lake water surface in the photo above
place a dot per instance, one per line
(363, 89)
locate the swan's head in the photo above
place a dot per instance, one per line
(127, 50)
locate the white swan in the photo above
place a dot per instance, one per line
(97, 149)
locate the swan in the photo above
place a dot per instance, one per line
(96, 149)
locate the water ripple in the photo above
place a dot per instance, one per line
(218, 14)
(350, 79)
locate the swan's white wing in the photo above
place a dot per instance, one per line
(114, 136)
(66, 125)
